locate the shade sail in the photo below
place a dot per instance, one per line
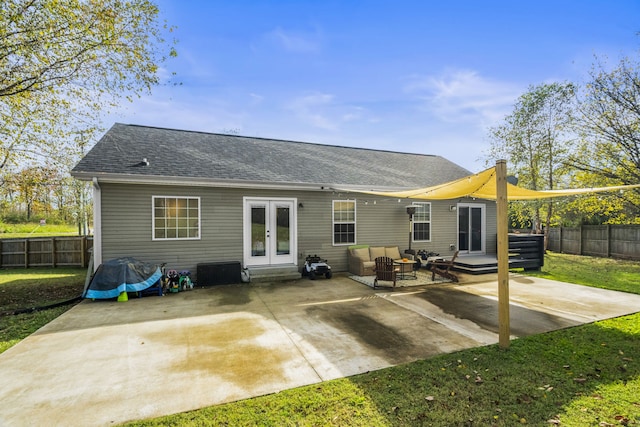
(483, 186)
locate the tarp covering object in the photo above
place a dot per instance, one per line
(483, 186)
(122, 274)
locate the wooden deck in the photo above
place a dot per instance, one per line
(483, 264)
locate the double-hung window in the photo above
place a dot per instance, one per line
(344, 222)
(422, 222)
(176, 218)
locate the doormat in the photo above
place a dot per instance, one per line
(422, 278)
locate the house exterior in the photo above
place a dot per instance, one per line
(186, 198)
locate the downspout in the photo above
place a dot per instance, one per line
(97, 224)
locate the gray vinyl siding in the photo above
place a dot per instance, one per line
(127, 225)
(444, 228)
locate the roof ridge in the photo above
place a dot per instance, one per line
(378, 150)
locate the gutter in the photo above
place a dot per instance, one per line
(191, 181)
(204, 182)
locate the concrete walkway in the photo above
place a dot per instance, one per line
(105, 362)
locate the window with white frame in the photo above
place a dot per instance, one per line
(176, 218)
(344, 222)
(422, 222)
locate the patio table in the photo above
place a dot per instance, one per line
(407, 270)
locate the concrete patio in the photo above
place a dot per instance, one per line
(105, 362)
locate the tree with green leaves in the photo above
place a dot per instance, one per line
(609, 154)
(34, 188)
(63, 64)
(535, 139)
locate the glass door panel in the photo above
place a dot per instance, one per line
(475, 224)
(283, 234)
(463, 228)
(258, 231)
(471, 228)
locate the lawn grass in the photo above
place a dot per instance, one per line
(618, 275)
(34, 287)
(583, 376)
(29, 229)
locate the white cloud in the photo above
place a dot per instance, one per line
(464, 96)
(255, 99)
(321, 110)
(206, 114)
(193, 66)
(295, 42)
(312, 110)
(353, 114)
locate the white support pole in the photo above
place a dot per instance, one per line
(503, 254)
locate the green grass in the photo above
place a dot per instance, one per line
(15, 328)
(34, 287)
(583, 376)
(21, 231)
(603, 273)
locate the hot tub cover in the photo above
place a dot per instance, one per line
(122, 274)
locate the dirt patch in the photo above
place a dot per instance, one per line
(231, 349)
(20, 297)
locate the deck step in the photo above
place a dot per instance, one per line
(488, 264)
(476, 269)
(274, 273)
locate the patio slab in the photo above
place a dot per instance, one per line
(105, 362)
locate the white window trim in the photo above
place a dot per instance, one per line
(153, 218)
(430, 222)
(333, 222)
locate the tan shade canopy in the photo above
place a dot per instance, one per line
(483, 186)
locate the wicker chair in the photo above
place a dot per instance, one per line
(385, 270)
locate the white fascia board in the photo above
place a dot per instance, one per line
(365, 188)
(197, 182)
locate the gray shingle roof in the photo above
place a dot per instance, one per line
(188, 155)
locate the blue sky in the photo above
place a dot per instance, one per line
(413, 76)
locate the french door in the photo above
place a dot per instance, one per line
(269, 231)
(471, 228)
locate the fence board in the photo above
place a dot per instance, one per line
(46, 251)
(595, 241)
(616, 241)
(553, 240)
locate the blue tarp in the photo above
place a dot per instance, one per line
(122, 274)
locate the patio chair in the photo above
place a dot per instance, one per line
(443, 268)
(385, 270)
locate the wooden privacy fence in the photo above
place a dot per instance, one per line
(46, 252)
(615, 241)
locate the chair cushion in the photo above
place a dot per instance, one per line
(376, 252)
(361, 253)
(392, 252)
(368, 268)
